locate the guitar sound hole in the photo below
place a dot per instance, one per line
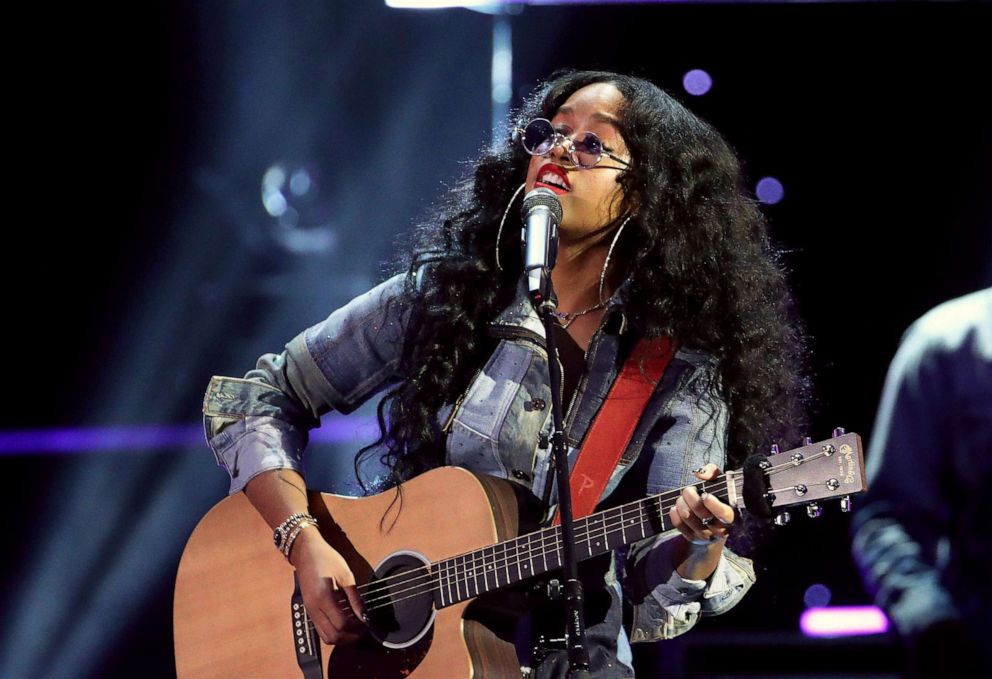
(400, 600)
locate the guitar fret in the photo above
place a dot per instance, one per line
(530, 556)
(506, 562)
(640, 517)
(610, 519)
(448, 567)
(544, 552)
(520, 575)
(602, 524)
(493, 567)
(440, 588)
(485, 570)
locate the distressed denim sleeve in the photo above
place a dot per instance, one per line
(261, 422)
(898, 541)
(665, 604)
(671, 605)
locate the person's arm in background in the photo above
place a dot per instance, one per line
(901, 529)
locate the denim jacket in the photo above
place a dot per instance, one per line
(497, 427)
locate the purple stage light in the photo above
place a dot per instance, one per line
(843, 621)
(697, 82)
(770, 190)
(817, 596)
(334, 429)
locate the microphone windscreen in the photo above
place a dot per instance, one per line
(545, 197)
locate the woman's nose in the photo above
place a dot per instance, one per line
(559, 152)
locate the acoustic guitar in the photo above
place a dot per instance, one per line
(421, 563)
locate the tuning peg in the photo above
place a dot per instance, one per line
(845, 504)
(813, 510)
(783, 519)
(807, 440)
(839, 431)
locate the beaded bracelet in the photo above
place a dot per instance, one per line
(287, 526)
(306, 521)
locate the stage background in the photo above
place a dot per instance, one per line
(143, 254)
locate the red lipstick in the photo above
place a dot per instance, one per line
(552, 176)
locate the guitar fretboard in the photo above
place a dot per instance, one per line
(468, 575)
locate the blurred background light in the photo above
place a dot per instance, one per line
(770, 190)
(441, 4)
(841, 621)
(334, 429)
(697, 82)
(817, 596)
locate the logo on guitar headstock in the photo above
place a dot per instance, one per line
(846, 459)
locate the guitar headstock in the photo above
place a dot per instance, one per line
(815, 472)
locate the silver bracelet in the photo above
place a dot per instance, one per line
(296, 532)
(281, 532)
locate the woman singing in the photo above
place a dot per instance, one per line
(658, 239)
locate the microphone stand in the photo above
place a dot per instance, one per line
(545, 302)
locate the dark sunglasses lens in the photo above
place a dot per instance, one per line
(587, 151)
(538, 137)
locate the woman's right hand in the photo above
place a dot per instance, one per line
(328, 588)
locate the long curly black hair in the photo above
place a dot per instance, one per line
(697, 254)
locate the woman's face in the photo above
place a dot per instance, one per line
(589, 198)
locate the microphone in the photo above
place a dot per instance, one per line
(541, 214)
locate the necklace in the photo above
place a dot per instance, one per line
(565, 318)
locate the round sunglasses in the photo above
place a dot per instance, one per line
(539, 136)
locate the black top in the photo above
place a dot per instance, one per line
(573, 361)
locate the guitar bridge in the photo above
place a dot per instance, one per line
(305, 638)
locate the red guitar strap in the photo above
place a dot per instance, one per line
(615, 423)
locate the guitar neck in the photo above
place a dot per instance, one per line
(805, 475)
(506, 563)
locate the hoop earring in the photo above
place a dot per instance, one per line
(609, 253)
(499, 233)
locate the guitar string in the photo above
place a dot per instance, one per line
(452, 574)
(435, 584)
(721, 478)
(456, 579)
(715, 486)
(460, 576)
(671, 494)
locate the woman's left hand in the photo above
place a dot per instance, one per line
(704, 521)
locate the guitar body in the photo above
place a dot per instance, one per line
(233, 615)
